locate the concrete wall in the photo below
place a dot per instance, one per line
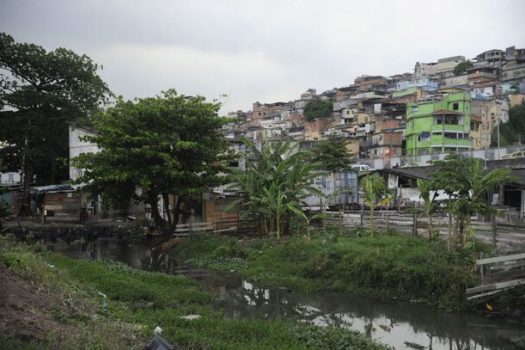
(10, 178)
(78, 147)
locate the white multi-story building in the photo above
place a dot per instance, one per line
(78, 146)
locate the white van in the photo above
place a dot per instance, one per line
(361, 167)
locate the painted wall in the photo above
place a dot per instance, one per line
(424, 136)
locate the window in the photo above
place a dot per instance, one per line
(424, 136)
(455, 106)
(451, 120)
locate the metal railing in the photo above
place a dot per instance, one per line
(422, 160)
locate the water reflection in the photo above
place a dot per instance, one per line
(398, 324)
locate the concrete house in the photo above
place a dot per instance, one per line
(438, 126)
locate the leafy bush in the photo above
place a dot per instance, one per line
(389, 265)
(317, 109)
(334, 338)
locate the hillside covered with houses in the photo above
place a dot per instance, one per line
(453, 104)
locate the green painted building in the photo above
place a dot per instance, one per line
(438, 126)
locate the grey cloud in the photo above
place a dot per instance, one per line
(260, 50)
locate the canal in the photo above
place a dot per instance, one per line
(399, 324)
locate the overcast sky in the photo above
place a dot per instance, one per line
(263, 51)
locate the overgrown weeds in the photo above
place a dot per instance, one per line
(389, 265)
(66, 314)
(132, 302)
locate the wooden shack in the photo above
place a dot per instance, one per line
(63, 206)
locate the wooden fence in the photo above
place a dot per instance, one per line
(497, 274)
(506, 236)
(231, 225)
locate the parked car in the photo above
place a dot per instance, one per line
(361, 167)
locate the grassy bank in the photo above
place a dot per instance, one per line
(136, 303)
(394, 266)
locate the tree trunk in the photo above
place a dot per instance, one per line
(449, 230)
(27, 174)
(430, 227)
(461, 230)
(166, 200)
(160, 223)
(277, 226)
(372, 221)
(494, 229)
(177, 212)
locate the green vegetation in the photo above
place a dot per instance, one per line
(429, 204)
(317, 108)
(387, 266)
(332, 155)
(468, 186)
(40, 92)
(139, 301)
(166, 145)
(274, 185)
(462, 67)
(376, 194)
(513, 131)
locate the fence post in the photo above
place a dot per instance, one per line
(361, 214)
(494, 228)
(192, 218)
(387, 223)
(481, 270)
(414, 224)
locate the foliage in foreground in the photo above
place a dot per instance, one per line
(388, 265)
(147, 300)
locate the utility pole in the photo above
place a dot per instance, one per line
(498, 136)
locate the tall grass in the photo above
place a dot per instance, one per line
(387, 265)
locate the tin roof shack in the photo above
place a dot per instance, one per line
(215, 213)
(59, 203)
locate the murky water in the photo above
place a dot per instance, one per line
(398, 324)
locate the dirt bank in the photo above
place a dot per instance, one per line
(31, 314)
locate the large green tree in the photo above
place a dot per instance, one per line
(169, 144)
(462, 67)
(40, 92)
(273, 187)
(332, 154)
(317, 108)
